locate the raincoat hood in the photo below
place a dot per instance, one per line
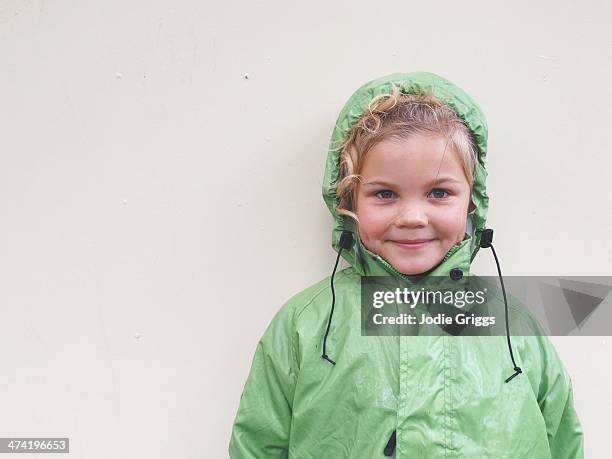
(460, 255)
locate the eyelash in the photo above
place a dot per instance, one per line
(389, 191)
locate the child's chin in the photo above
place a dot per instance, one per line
(412, 268)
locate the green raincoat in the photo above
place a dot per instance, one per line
(444, 396)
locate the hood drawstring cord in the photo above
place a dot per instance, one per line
(346, 241)
(486, 241)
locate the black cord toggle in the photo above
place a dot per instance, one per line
(486, 239)
(346, 240)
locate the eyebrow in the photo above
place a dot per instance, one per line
(433, 182)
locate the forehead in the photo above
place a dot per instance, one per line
(417, 158)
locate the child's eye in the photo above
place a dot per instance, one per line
(385, 194)
(436, 192)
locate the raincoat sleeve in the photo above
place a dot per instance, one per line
(262, 424)
(556, 400)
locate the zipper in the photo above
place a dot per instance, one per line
(390, 447)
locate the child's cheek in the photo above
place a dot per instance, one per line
(372, 223)
(453, 224)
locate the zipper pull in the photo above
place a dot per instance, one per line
(390, 445)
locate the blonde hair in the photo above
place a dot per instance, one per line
(400, 116)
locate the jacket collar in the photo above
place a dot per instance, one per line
(367, 263)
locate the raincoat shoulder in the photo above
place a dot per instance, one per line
(262, 424)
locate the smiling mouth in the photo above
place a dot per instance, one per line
(416, 244)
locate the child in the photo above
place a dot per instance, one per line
(405, 182)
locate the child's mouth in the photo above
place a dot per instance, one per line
(416, 244)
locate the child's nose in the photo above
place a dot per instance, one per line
(411, 216)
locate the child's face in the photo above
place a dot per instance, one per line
(398, 202)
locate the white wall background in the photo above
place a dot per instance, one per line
(157, 207)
